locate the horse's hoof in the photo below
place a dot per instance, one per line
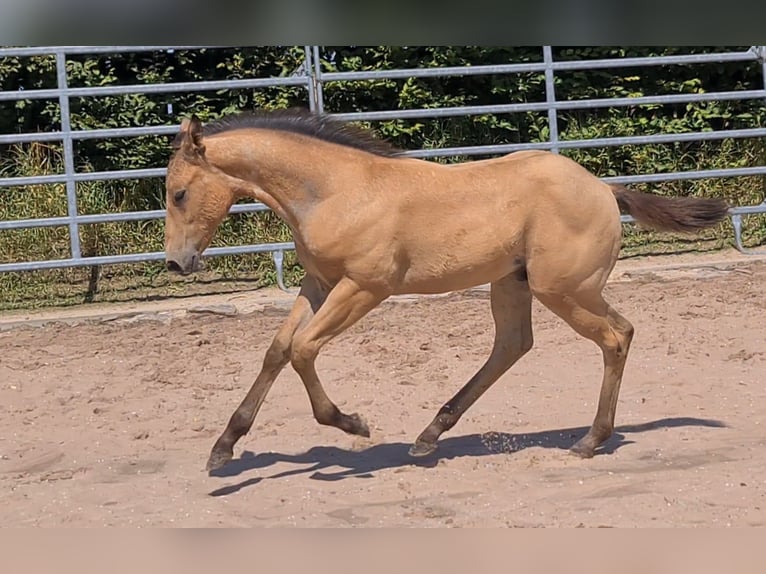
(420, 449)
(218, 459)
(358, 426)
(581, 451)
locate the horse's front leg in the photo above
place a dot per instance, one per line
(309, 300)
(346, 304)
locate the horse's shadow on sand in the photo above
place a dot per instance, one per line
(361, 464)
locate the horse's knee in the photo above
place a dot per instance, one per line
(302, 354)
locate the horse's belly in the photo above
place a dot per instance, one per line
(443, 278)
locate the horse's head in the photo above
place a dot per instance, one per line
(198, 198)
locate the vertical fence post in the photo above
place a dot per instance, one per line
(736, 218)
(762, 56)
(550, 98)
(317, 79)
(66, 136)
(308, 72)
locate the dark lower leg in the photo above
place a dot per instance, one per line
(325, 411)
(615, 350)
(242, 419)
(512, 313)
(277, 356)
(451, 412)
(603, 424)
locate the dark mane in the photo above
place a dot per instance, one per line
(307, 123)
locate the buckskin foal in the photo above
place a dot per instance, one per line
(369, 223)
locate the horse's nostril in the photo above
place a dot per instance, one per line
(174, 267)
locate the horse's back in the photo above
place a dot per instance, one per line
(546, 190)
(477, 221)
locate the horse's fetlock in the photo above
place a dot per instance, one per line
(602, 430)
(527, 342)
(446, 418)
(328, 416)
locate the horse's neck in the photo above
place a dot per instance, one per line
(273, 171)
(285, 168)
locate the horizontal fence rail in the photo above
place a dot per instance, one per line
(312, 79)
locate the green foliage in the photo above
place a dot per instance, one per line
(428, 92)
(29, 116)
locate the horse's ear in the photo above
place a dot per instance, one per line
(189, 138)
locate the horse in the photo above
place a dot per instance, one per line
(369, 222)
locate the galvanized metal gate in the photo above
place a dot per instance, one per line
(311, 77)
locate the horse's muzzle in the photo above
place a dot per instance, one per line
(174, 267)
(184, 265)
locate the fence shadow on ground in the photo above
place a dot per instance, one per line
(363, 463)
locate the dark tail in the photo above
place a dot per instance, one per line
(670, 213)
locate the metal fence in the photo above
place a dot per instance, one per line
(311, 77)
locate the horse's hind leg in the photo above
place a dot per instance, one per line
(309, 300)
(592, 317)
(512, 311)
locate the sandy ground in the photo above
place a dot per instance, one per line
(109, 421)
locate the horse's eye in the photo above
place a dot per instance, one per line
(179, 196)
